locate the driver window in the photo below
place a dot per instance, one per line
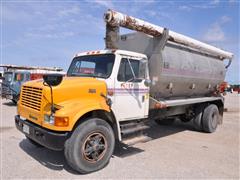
(125, 72)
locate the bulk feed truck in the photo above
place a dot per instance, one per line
(108, 95)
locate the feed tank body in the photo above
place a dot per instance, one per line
(176, 70)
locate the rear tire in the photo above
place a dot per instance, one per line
(91, 146)
(197, 120)
(210, 118)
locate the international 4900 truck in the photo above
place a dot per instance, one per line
(107, 95)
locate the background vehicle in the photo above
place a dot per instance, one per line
(108, 95)
(236, 87)
(15, 76)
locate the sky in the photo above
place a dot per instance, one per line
(50, 33)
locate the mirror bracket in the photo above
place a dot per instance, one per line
(52, 80)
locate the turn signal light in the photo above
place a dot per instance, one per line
(61, 121)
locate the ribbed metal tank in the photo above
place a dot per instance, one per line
(176, 70)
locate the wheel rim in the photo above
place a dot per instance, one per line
(94, 147)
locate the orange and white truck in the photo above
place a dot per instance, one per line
(107, 95)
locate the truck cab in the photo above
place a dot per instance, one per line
(11, 84)
(114, 77)
(124, 73)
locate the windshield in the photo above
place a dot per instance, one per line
(8, 76)
(92, 66)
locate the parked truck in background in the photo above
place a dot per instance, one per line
(154, 74)
(14, 76)
(236, 87)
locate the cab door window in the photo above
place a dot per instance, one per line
(131, 70)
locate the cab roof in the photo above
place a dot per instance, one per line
(112, 51)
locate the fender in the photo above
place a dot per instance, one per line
(91, 106)
(74, 109)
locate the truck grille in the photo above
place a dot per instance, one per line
(31, 97)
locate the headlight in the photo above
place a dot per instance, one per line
(56, 121)
(49, 119)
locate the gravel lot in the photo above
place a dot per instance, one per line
(175, 151)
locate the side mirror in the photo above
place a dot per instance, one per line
(52, 79)
(147, 82)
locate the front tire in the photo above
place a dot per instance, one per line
(91, 146)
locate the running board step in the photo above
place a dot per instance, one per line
(132, 128)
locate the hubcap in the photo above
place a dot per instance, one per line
(94, 147)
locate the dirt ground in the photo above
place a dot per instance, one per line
(175, 151)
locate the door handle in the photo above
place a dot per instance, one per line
(143, 98)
